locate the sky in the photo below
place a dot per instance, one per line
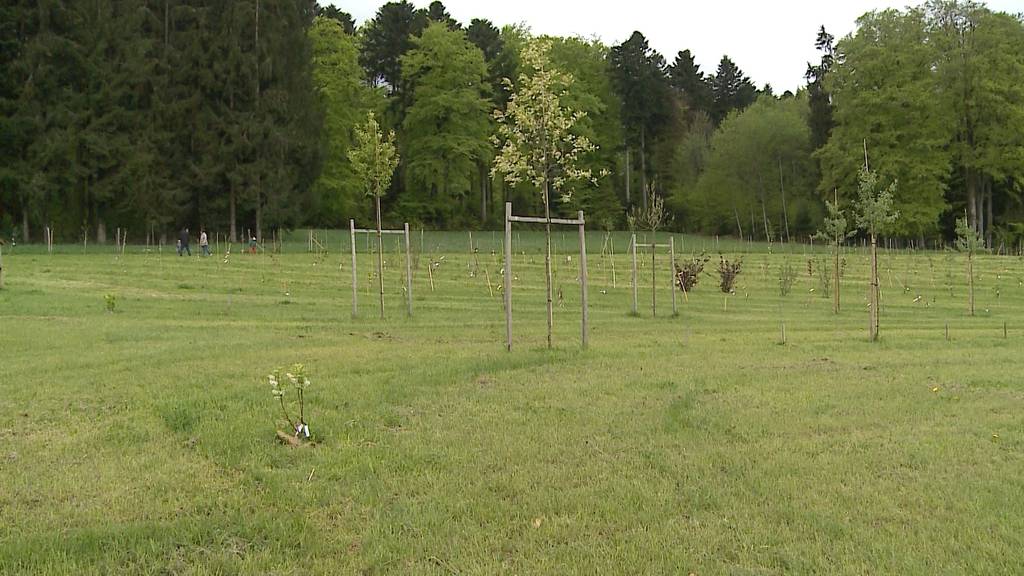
(772, 42)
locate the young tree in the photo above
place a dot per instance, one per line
(968, 240)
(374, 159)
(539, 142)
(834, 230)
(652, 218)
(874, 213)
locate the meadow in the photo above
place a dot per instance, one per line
(141, 440)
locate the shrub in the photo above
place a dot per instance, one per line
(727, 273)
(688, 274)
(110, 301)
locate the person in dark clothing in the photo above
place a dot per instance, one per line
(183, 242)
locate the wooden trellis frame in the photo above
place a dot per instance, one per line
(580, 223)
(355, 275)
(672, 267)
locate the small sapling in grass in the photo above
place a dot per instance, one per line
(727, 274)
(688, 274)
(110, 301)
(283, 383)
(787, 276)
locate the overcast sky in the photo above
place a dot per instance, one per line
(770, 41)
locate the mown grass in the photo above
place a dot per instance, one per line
(142, 441)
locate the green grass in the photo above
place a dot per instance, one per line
(142, 441)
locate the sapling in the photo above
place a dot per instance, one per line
(280, 383)
(652, 217)
(110, 301)
(968, 240)
(834, 230)
(374, 160)
(875, 211)
(540, 141)
(727, 273)
(787, 276)
(688, 274)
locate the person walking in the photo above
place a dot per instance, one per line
(183, 242)
(204, 243)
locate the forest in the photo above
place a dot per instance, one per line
(238, 115)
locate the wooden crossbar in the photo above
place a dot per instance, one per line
(535, 220)
(373, 231)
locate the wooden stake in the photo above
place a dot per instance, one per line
(583, 282)
(632, 244)
(672, 271)
(408, 269)
(783, 333)
(508, 276)
(355, 277)
(430, 272)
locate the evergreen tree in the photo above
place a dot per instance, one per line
(638, 73)
(386, 38)
(819, 100)
(686, 77)
(730, 89)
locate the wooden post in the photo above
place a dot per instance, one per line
(632, 244)
(408, 269)
(508, 276)
(355, 277)
(672, 270)
(583, 281)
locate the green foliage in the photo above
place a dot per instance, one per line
(292, 381)
(834, 227)
(967, 238)
(731, 90)
(742, 174)
(875, 211)
(346, 100)
(537, 134)
(374, 157)
(447, 127)
(110, 302)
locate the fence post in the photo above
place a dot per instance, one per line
(355, 278)
(632, 243)
(508, 276)
(408, 269)
(583, 280)
(672, 269)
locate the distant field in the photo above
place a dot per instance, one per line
(142, 441)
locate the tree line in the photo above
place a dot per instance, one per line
(239, 115)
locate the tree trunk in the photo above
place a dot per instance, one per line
(231, 214)
(627, 178)
(547, 260)
(873, 329)
(654, 275)
(101, 231)
(739, 227)
(24, 224)
(380, 258)
(643, 166)
(988, 210)
(259, 211)
(782, 190)
(972, 202)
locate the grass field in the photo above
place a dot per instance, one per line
(142, 441)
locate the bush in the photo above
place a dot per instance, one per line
(727, 273)
(688, 274)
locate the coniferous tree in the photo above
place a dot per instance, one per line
(731, 90)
